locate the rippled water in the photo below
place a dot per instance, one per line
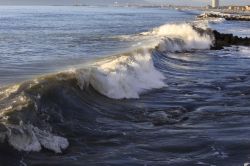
(39, 40)
(168, 101)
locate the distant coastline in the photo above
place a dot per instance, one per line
(166, 6)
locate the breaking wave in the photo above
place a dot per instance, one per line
(29, 117)
(174, 38)
(125, 76)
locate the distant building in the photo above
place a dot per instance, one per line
(215, 4)
(247, 7)
(239, 8)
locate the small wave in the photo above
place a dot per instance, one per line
(207, 22)
(245, 51)
(214, 14)
(235, 51)
(217, 20)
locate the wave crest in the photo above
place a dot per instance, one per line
(173, 37)
(181, 37)
(125, 76)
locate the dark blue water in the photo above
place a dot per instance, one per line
(129, 91)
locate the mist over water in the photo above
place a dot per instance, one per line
(120, 86)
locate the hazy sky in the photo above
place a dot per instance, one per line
(104, 2)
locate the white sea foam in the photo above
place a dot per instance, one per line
(24, 137)
(126, 76)
(208, 23)
(217, 20)
(30, 138)
(244, 51)
(181, 37)
(174, 37)
(216, 14)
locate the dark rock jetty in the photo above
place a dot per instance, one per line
(235, 17)
(221, 40)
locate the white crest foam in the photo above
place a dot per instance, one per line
(121, 77)
(181, 37)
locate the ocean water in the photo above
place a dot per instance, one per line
(121, 86)
(38, 40)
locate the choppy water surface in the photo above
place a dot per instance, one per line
(168, 100)
(38, 40)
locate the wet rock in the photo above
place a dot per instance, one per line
(222, 40)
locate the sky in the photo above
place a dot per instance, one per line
(108, 2)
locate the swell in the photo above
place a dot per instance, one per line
(31, 116)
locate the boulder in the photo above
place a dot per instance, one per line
(221, 40)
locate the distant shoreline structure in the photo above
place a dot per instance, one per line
(215, 4)
(223, 9)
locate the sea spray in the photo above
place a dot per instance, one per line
(126, 76)
(174, 38)
(181, 37)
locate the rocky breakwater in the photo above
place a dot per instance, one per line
(235, 17)
(221, 40)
